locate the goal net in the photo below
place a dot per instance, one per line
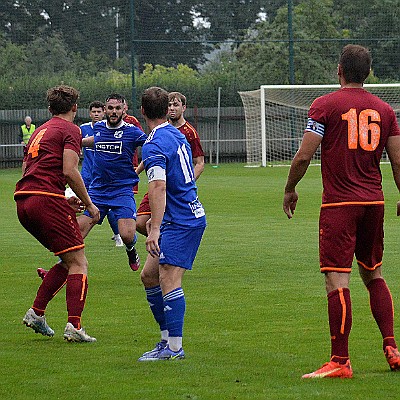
(276, 116)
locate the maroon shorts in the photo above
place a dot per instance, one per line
(350, 230)
(144, 208)
(52, 221)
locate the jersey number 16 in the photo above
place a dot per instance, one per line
(363, 129)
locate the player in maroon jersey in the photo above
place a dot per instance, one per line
(50, 162)
(353, 128)
(176, 109)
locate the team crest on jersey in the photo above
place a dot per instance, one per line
(109, 147)
(118, 134)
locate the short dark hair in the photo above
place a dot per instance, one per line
(61, 99)
(155, 102)
(177, 95)
(96, 104)
(116, 96)
(356, 63)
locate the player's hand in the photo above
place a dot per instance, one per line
(289, 203)
(398, 208)
(76, 204)
(94, 213)
(152, 242)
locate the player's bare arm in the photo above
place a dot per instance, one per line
(393, 151)
(298, 168)
(88, 141)
(157, 198)
(198, 166)
(74, 180)
(139, 168)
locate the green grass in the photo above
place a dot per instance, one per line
(256, 308)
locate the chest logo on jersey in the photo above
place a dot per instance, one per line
(118, 134)
(109, 147)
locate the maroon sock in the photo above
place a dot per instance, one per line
(340, 320)
(53, 281)
(76, 295)
(381, 304)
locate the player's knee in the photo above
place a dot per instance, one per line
(149, 279)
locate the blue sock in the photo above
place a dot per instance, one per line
(174, 309)
(156, 303)
(112, 220)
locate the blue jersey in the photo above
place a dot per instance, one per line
(114, 147)
(88, 155)
(168, 149)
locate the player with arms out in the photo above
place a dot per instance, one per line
(353, 128)
(50, 163)
(177, 223)
(114, 176)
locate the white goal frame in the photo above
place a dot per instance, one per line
(258, 132)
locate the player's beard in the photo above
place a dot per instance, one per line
(113, 123)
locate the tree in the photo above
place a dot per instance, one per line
(265, 54)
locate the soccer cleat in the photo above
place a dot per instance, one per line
(118, 241)
(134, 260)
(42, 272)
(393, 357)
(168, 355)
(37, 323)
(332, 369)
(152, 355)
(71, 334)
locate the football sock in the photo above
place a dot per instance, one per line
(112, 221)
(131, 245)
(53, 282)
(340, 321)
(164, 335)
(174, 308)
(77, 286)
(380, 300)
(156, 303)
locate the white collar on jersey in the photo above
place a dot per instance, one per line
(160, 126)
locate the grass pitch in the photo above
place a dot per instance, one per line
(256, 308)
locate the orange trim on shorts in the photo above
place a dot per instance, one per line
(143, 213)
(344, 310)
(354, 203)
(369, 268)
(335, 269)
(25, 192)
(81, 246)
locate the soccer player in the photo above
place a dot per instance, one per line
(114, 177)
(50, 162)
(176, 109)
(177, 223)
(353, 128)
(96, 113)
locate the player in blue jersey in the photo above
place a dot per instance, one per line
(114, 176)
(176, 226)
(96, 113)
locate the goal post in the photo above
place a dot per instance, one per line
(276, 115)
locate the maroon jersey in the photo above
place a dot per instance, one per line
(193, 138)
(130, 119)
(44, 158)
(355, 126)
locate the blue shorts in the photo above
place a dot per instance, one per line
(179, 245)
(123, 206)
